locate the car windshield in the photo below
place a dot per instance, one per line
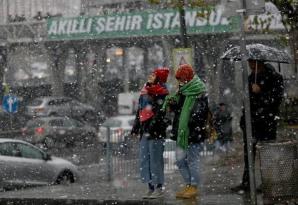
(131, 122)
(112, 123)
(36, 102)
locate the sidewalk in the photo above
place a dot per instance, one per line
(218, 174)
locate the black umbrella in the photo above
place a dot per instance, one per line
(258, 52)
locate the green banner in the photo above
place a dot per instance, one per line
(147, 23)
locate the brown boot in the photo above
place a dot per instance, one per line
(191, 192)
(180, 194)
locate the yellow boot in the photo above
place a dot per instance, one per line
(191, 192)
(180, 194)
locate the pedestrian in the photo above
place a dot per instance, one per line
(150, 123)
(266, 94)
(223, 125)
(190, 107)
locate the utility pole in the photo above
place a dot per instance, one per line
(183, 30)
(246, 99)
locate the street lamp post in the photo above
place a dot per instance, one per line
(247, 114)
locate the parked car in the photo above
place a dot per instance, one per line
(23, 164)
(52, 132)
(169, 156)
(120, 127)
(60, 106)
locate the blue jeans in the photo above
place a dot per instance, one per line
(188, 162)
(151, 160)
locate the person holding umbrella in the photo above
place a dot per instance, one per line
(266, 90)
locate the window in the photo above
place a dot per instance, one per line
(55, 102)
(6, 149)
(35, 123)
(76, 123)
(112, 123)
(131, 122)
(58, 102)
(29, 152)
(70, 123)
(56, 123)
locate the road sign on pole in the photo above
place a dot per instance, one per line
(10, 103)
(182, 56)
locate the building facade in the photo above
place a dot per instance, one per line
(30, 10)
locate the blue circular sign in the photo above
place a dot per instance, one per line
(10, 103)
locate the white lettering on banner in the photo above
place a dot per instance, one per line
(127, 27)
(110, 24)
(157, 23)
(168, 17)
(89, 26)
(214, 18)
(75, 24)
(201, 22)
(69, 27)
(119, 23)
(100, 25)
(53, 28)
(136, 23)
(176, 21)
(149, 22)
(190, 18)
(61, 27)
(85, 28)
(81, 28)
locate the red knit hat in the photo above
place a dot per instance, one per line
(162, 73)
(185, 73)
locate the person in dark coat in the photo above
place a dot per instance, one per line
(266, 91)
(190, 107)
(150, 123)
(223, 125)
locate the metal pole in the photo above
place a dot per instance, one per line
(183, 23)
(126, 71)
(249, 139)
(109, 155)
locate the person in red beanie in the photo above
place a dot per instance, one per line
(190, 108)
(162, 74)
(184, 74)
(151, 125)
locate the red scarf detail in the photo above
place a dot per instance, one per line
(156, 89)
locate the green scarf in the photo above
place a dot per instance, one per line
(191, 91)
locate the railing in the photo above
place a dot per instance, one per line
(122, 156)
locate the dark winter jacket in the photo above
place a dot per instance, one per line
(265, 105)
(223, 125)
(197, 121)
(156, 126)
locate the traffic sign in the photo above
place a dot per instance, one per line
(182, 56)
(10, 103)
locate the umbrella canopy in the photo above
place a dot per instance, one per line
(258, 52)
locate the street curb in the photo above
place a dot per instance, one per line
(45, 201)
